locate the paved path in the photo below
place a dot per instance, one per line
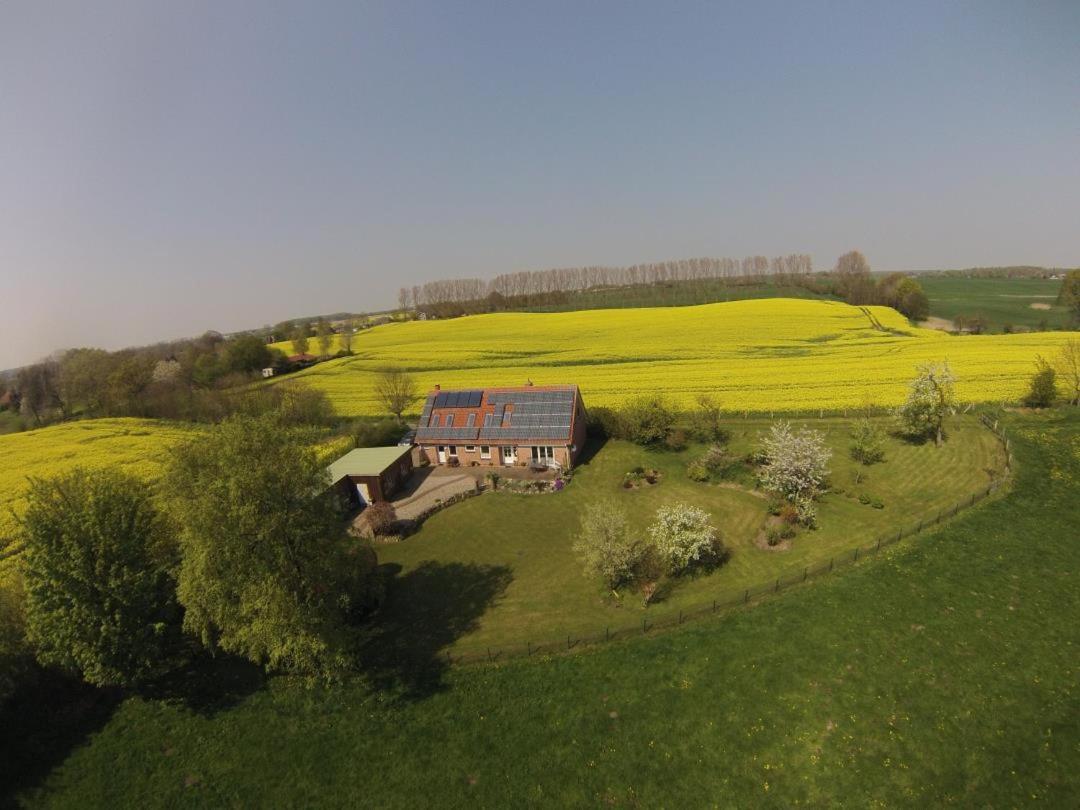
(433, 487)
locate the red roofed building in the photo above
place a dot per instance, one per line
(492, 427)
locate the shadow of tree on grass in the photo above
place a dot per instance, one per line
(425, 611)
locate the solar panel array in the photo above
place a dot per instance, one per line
(458, 399)
(540, 415)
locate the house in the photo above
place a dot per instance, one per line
(370, 474)
(492, 427)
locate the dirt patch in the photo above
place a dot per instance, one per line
(762, 540)
(1039, 306)
(757, 493)
(942, 324)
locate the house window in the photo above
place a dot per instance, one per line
(449, 420)
(470, 420)
(434, 420)
(487, 419)
(453, 450)
(506, 417)
(470, 448)
(485, 452)
(543, 455)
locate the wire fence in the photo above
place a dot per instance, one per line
(729, 599)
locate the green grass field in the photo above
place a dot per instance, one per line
(940, 673)
(524, 541)
(757, 355)
(1018, 302)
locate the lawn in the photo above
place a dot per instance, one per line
(760, 355)
(1023, 302)
(540, 594)
(942, 672)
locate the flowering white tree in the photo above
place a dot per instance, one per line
(683, 535)
(796, 463)
(931, 397)
(606, 545)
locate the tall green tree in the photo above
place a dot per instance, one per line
(1069, 297)
(99, 598)
(325, 334)
(267, 571)
(300, 338)
(247, 353)
(931, 398)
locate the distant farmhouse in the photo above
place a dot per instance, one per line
(526, 426)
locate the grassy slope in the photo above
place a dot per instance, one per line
(1002, 300)
(757, 355)
(944, 672)
(528, 538)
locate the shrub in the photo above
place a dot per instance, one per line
(675, 441)
(796, 463)
(867, 442)
(378, 434)
(646, 421)
(772, 536)
(787, 531)
(605, 544)
(493, 478)
(877, 503)
(789, 513)
(864, 499)
(705, 421)
(684, 536)
(807, 511)
(1043, 390)
(776, 503)
(604, 423)
(380, 518)
(696, 471)
(716, 459)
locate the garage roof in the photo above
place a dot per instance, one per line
(365, 461)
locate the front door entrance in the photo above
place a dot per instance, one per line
(442, 454)
(508, 456)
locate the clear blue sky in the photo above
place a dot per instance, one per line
(171, 167)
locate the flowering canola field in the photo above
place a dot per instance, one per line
(136, 445)
(758, 355)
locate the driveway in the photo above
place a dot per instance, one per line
(429, 485)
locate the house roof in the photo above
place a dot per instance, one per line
(537, 413)
(365, 461)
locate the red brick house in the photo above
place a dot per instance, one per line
(512, 427)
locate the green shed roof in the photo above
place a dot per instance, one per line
(365, 461)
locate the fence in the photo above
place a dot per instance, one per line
(729, 600)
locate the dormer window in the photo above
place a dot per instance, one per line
(449, 422)
(470, 420)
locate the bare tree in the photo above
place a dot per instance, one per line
(853, 278)
(396, 390)
(1067, 364)
(347, 328)
(403, 298)
(325, 334)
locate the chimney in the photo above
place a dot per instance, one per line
(438, 387)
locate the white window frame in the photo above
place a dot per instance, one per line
(470, 448)
(451, 451)
(485, 451)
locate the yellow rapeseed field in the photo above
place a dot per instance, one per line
(136, 445)
(758, 355)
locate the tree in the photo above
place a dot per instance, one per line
(325, 334)
(403, 298)
(300, 338)
(853, 278)
(15, 654)
(266, 569)
(82, 376)
(867, 442)
(1067, 364)
(706, 420)
(127, 382)
(347, 330)
(796, 463)
(99, 598)
(911, 300)
(646, 420)
(247, 353)
(38, 387)
(396, 390)
(931, 397)
(605, 544)
(1043, 389)
(684, 536)
(1069, 296)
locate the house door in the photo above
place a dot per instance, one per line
(364, 495)
(543, 455)
(508, 455)
(442, 454)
